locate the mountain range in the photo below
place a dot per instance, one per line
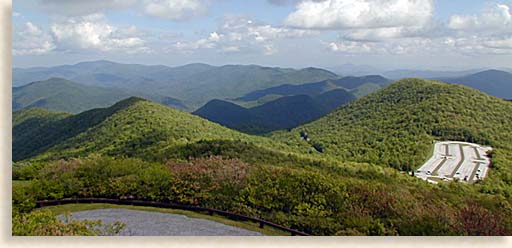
(194, 84)
(354, 84)
(337, 175)
(283, 113)
(392, 127)
(62, 95)
(493, 82)
(131, 126)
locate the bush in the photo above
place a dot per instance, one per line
(44, 223)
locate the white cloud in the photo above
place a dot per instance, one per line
(351, 47)
(210, 42)
(231, 49)
(282, 2)
(505, 43)
(418, 46)
(32, 40)
(496, 18)
(476, 45)
(484, 34)
(238, 34)
(94, 33)
(176, 10)
(371, 48)
(430, 30)
(82, 7)
(348, 14)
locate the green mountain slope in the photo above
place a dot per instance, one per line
(195, 84)
(396, 126)
(282, 113)
(156, 153)
(39, 115)
(130, 127)
(365, 89)
(58, 94)
(27, 122)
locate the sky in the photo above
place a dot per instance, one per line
(388, 34)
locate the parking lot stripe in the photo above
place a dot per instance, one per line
(460, 162)
(477, 165)
(477, 153)
(439, 167)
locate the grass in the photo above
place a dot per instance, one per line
(248, 225)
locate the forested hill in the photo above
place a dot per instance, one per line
(195, 84)
(283, 113)
(58, 94)
(152, 152)
(397, 125)
(132, 127)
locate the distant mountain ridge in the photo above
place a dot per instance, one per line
(194, 83)
(427, 74)
(314, 89)
(283, 113)
(62, 95)
(493, 82)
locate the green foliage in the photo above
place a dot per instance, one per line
(212, 182)
(282, 113)
(44, 223)
(57, 94)
(199, 83)
(316, 200)
(133, 127)
(396, 126)
(151, 152)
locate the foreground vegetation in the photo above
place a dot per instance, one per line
(305, 199)
(339, 175)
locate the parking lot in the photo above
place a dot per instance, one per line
(466, 162)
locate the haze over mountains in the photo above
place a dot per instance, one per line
(362, 130)
(62, 95)
(395, 74)
(281, 99)
(283, 113)
(288, 106)
(314, 89)
(493, 82)
(194, 84)
(389, 130)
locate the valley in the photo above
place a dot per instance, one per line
(259, 118)
(325, 161)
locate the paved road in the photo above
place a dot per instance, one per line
(145, 223)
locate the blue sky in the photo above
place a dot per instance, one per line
(390, 34)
